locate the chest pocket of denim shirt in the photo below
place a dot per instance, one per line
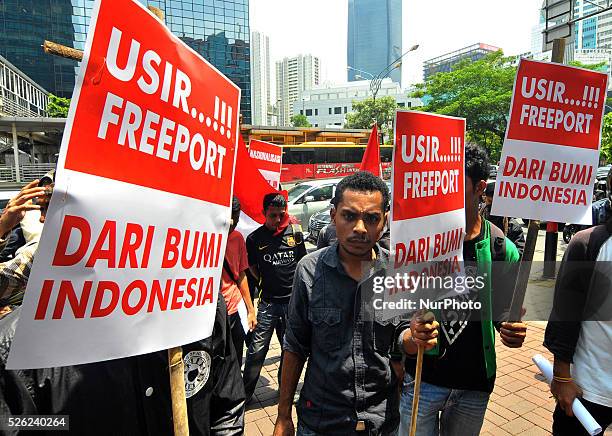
(383, 337)
(326, 327)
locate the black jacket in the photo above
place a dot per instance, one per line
(131, 396)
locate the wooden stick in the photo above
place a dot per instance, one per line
(62, 51)
(417, 390)
(177, 391)
(520, 288)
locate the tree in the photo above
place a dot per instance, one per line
(365, 112)
(57, 107)
(601, 66)
(606, 137)
(478, 91)
(300, 120)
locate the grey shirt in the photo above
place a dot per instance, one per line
(349, 377)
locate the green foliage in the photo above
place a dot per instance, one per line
(601, 66)
(300, 120)
(606, 138)
(58, 106)
(366, 112)
(478, 91)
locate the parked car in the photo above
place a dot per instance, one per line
(5, 196)
(322, 218)
(310, 197)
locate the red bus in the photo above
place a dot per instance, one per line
(320, 160)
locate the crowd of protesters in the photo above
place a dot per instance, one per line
(360, 368)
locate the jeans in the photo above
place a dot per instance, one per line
(270, 317)
(302, 430)
(462, 412)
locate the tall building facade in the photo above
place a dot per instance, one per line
(260, 79)
(445, 63)
(25, 24)
(218, 30)
(293, 76)
(374, 38)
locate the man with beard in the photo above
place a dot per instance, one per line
(349, 386)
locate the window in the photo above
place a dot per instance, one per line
(336, 155)
(337, 110)
(316, 111)
(324, 193)
(308, 112)
(301, 112)
(401, 104)
(345, 109)
(330, 111)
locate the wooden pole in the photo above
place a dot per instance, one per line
(427, 317)
(175, 355)
(552, 229)
(520, 288)
(177, 391)
(62, 51)
(417, 390)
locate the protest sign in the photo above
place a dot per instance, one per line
(551, 150)
(427, 213)
(131, 255)
(268, 159)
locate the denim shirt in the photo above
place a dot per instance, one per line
(349, 377)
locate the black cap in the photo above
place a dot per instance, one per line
(490, 189)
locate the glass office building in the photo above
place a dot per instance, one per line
(217, 29)
(374, 38)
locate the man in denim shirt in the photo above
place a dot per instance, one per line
(349, 387)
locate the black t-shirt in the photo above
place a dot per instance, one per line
(460, 362)
(276, 258)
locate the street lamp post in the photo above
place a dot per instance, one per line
(360, 71)
(376, 82)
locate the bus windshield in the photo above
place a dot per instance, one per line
(297, 190)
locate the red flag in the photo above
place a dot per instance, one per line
(371, 157)
(250, 188)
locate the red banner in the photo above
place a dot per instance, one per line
(168, 125)
(428, 165)
(556, 104)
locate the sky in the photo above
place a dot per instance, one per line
(319, 27)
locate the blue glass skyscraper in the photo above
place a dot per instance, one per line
(217, 29)
(374, 37)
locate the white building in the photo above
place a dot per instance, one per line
(327, 106)
(294, 75)
(260, 80)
